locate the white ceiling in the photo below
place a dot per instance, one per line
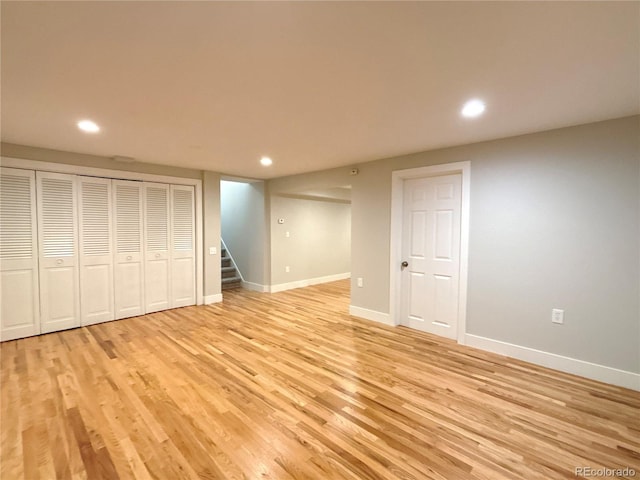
(214, 86)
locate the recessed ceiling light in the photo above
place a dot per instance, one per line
(266, 161)
(88, 126)
(473, 108)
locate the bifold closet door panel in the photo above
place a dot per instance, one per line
(19, 295)
(58, 240)
(157, 239)
(128, 260)
(96, 251)
(183, 267)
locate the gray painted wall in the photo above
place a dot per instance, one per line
(554, 224)
(242, 213)
(319, 242)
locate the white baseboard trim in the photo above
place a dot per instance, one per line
(308, 282)
(621, 378)
(256, 287)
(367, 314)
(215, 298)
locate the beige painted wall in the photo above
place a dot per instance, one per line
(94, 161)
(321, 180)
(211, 212)
(319, 241)
(280, 206)
(554, 224)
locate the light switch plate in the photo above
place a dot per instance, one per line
(557, 316)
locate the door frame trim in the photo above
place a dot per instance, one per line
(395, 253)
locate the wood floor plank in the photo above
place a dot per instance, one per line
(289, 386)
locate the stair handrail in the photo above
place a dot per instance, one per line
(233, 262)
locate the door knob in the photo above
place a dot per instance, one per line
(404, 265)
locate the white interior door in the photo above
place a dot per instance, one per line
(183, 266)
(19, 296)
(431, 249)
(156, 234)
(96, 250)
(58, 235)
(128, 260)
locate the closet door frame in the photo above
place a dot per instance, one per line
(179, 255)
(128, 264)
(95, 267)
(59, 274)
(13, 296)
(24, 164)
(157, 261)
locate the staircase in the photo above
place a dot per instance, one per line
(230, 276)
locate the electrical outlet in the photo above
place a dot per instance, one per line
(287, 269)
(287, 234)
(213, 250)
(360, 282)
(557, 316)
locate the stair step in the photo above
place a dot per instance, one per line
(231, 273)
(228, 272)
(231, 280)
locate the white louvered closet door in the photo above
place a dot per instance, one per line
(183, 266)
(58, 239)
(96, 251)
(156, 238)
(128, 260)
(19, 297)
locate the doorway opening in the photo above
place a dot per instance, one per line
(244, 234)
(310, 236)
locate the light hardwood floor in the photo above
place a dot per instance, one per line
(288, 385)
